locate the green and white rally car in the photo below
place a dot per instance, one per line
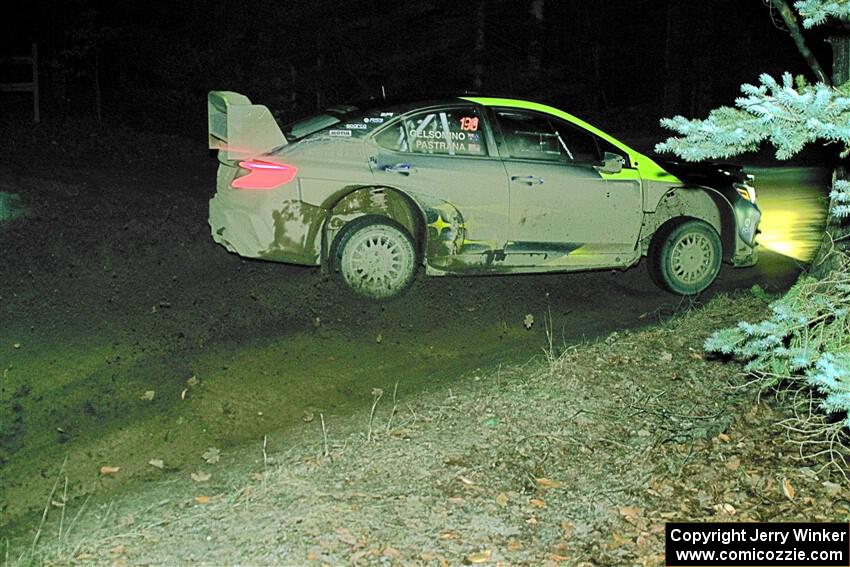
(467, 186)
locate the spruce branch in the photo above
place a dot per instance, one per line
(839, 198)
(816, 12)
(782, 114)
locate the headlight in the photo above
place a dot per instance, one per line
(746, 189)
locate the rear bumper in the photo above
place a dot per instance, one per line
(267, 225)
(239, 231)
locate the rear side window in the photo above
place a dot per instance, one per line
(338, 122)
(529, 135)
(451, 132)
(359, 125)
(301, 128)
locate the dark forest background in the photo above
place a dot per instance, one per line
(621, 63)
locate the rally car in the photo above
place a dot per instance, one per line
(466, 186)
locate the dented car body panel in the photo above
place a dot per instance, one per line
(481, 185)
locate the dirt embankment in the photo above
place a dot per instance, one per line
(577, 459)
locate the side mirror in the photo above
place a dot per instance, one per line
(611, 163)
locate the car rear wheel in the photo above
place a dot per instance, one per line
(376, 257)
(685, 257)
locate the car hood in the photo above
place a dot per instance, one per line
(708, 173)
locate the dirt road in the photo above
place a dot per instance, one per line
(127, 335)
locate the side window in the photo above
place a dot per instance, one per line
(605, 146)
(536, 136)
(393, 138)
(452, 132)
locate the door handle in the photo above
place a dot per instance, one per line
(403, 168)
(527, 179)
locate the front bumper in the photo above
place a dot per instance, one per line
(747, 219)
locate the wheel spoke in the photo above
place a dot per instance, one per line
(691, 258)
(378, 260)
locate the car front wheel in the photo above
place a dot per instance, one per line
(376, 257)
(685, 258)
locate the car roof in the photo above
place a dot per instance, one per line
(406, 103)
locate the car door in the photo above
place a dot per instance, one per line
(442, 158)
(563, 210)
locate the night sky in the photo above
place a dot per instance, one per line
(623, 64)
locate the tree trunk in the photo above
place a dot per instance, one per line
(535, 47)
(478, 51)
(840, 59)
(674, 55)
(319, 102)
(836, 236)
(97, 100)
(602, 103)
(840, 75)
(797, 35)
(293, 93)
(702, 63)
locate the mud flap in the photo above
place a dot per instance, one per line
(240, 129)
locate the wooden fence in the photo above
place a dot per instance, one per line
(28, 87)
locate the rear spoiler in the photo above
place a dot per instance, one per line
(240, 129)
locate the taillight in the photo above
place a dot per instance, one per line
(264, 175)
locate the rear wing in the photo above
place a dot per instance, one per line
(240, 129)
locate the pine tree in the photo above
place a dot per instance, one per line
(807, 335)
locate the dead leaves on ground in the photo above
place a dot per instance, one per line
(548, 483)
(725, 508)
(479, 556)
(190, 383)
(788, 489)
(212, 456)
(200, 476)
(203, 499)
(356, 544)
(345, 536)
(631, 513)
(733, 463)
(466, 481)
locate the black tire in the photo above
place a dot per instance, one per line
(685, 256)
(375, 257)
